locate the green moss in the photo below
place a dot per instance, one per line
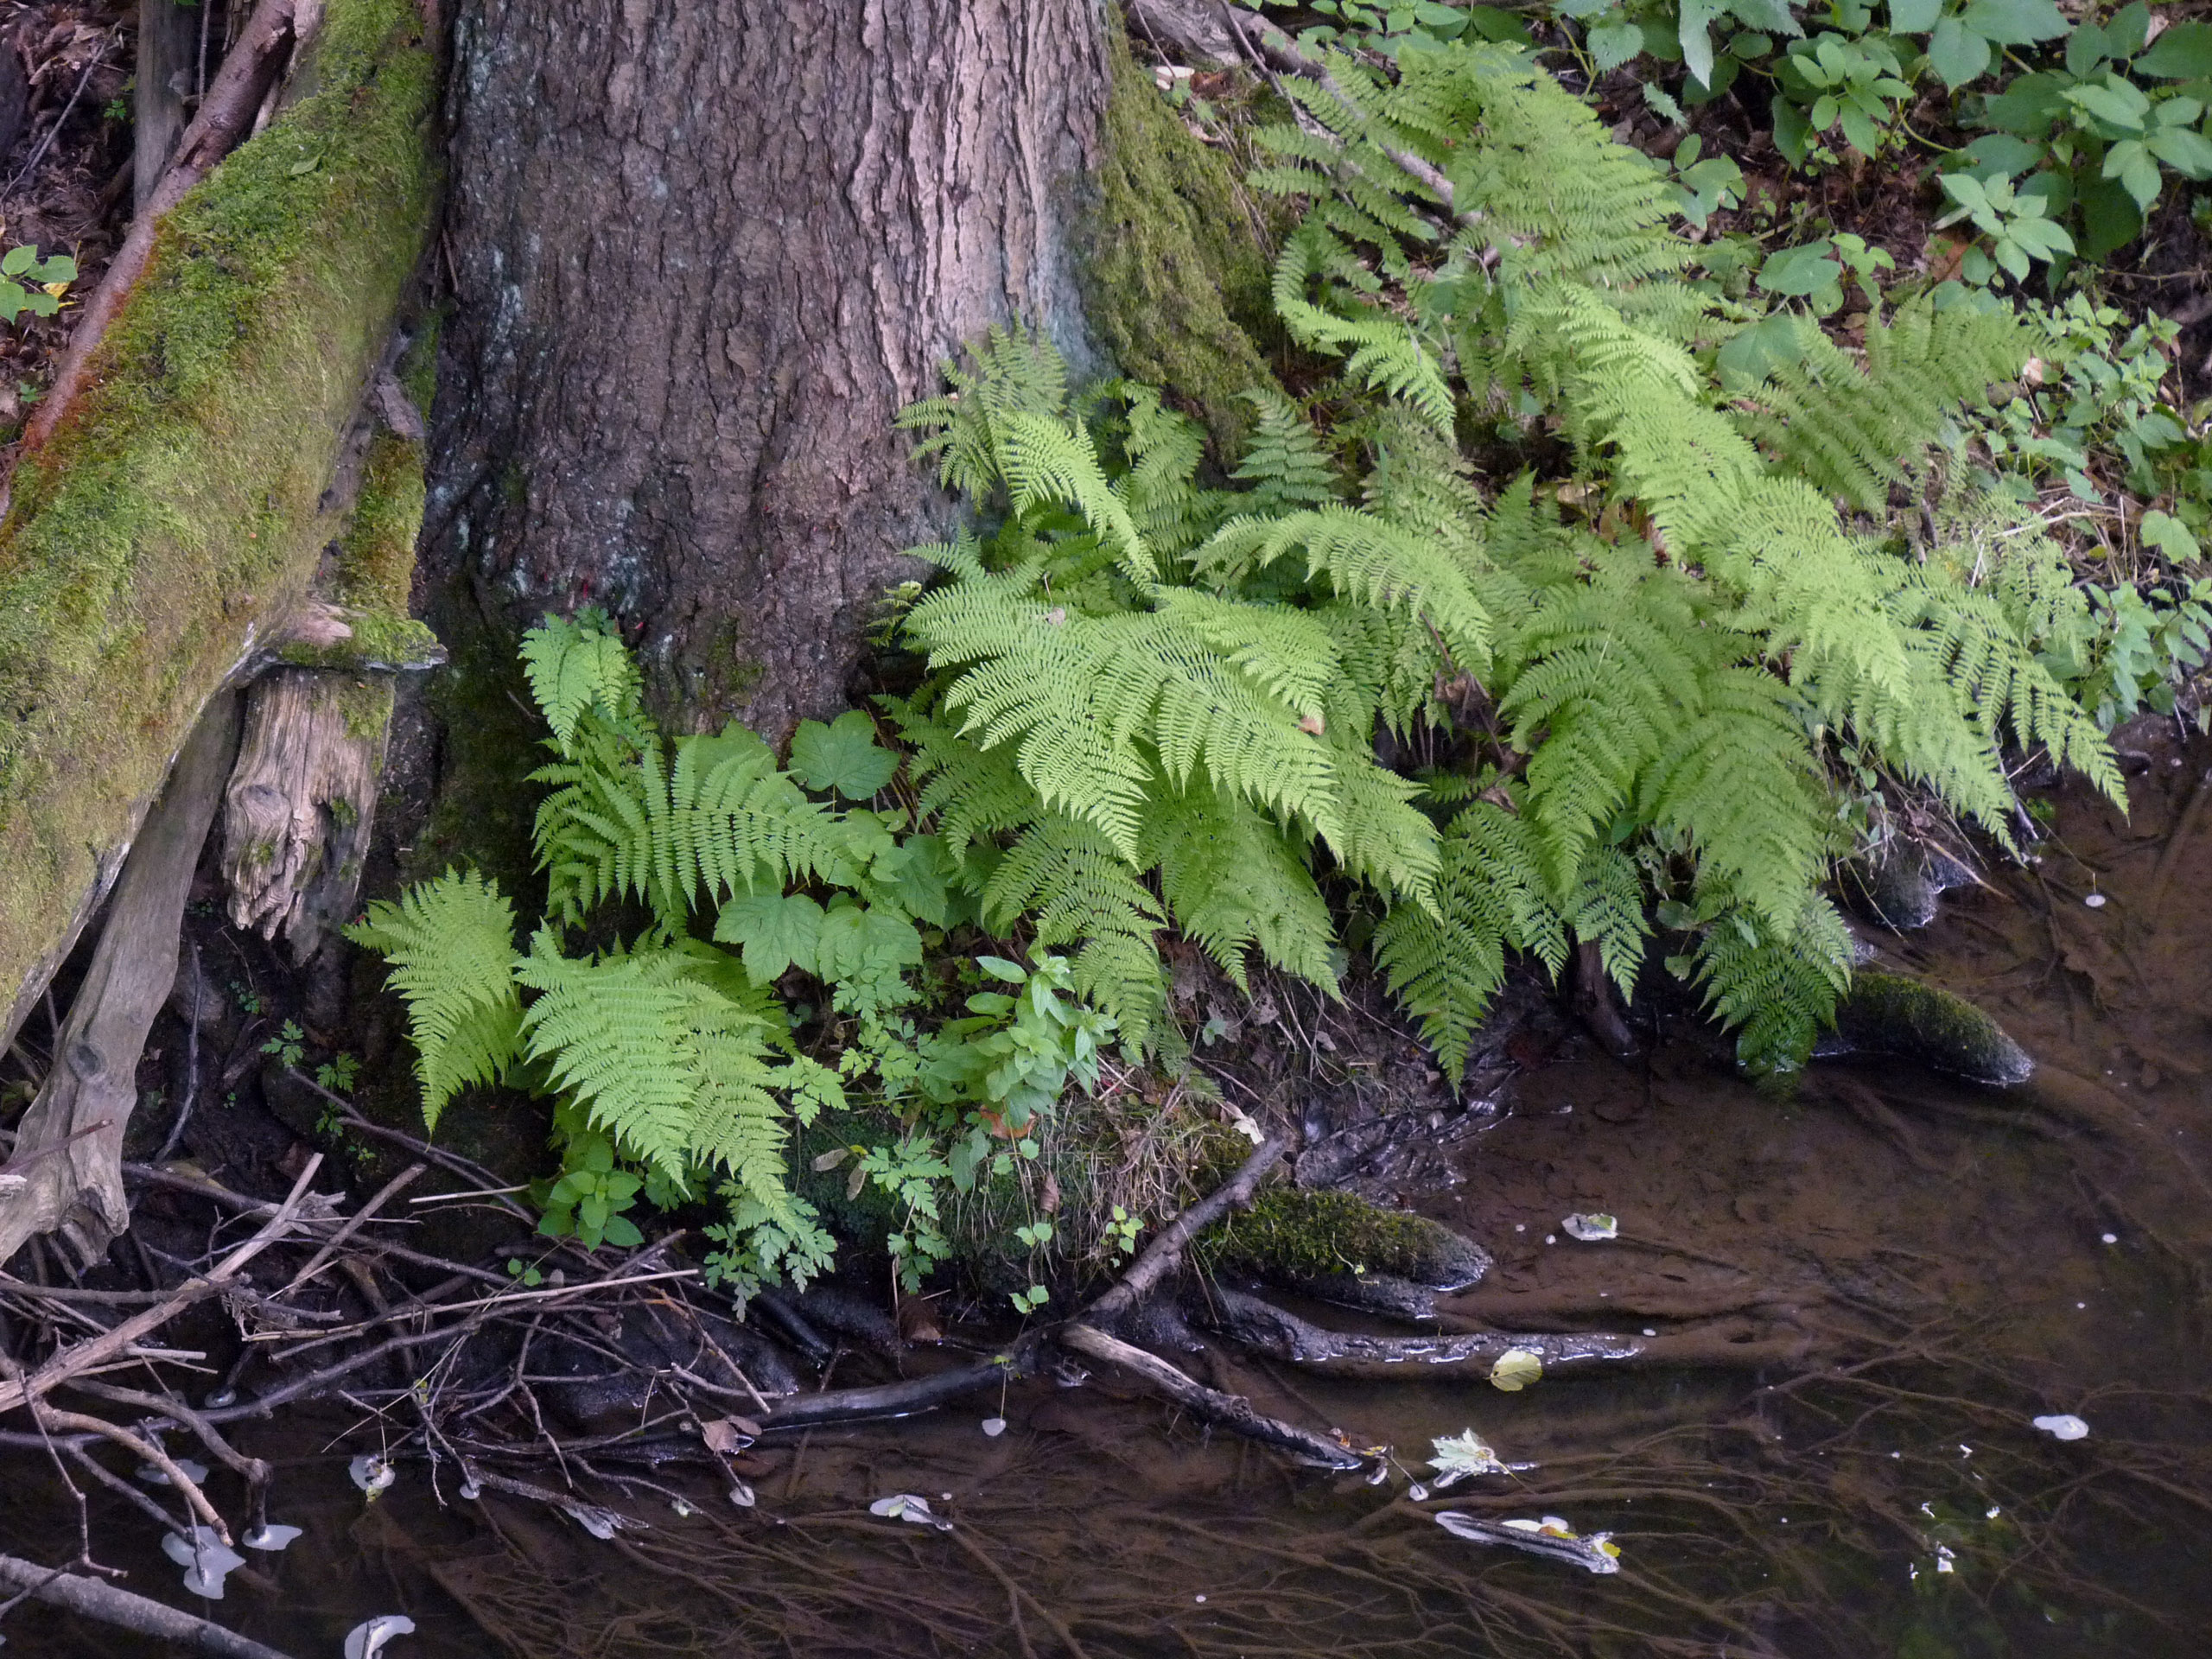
(493, 741)
(376, 558)
(1301, 1234)
(179, 500)
(381, 642)
(1178, 278)
(1887, 1013)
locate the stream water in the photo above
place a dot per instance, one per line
(1894, 1274)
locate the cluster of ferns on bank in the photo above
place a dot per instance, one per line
(1357, 694)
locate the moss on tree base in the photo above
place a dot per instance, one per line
(1177, 277)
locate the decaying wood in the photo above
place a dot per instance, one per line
(297, 814)
(89, 1597)
(168, 37)
(95, 1079)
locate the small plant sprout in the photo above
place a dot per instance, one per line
(289, 1045)
(32, 285)
(1121, 1232)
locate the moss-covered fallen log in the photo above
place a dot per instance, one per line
(170, 524)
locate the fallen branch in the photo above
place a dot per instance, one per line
(896, 1398)
(1226, 1409)
(1166, 1250)
(1269, 1330)
(82, 1356)
(90, 1599)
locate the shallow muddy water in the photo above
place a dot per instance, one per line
(1889, 1275)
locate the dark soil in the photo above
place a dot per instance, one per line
(65, 165)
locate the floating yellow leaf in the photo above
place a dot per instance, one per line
(1516, 1369)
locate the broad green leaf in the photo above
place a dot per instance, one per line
(17, 261)
(2127, 28)
(1957, 54)
(1793, 134)
(1773, 343)
(2044, 238)
(2188, 152)
(2002, 155)
(842, 756)
(1498, 24)
(1796, 272)
(2087, 48)
(1697, 39)
(2169, 536)
(2115, 102)
(1613, 44)
(1860, 133)
(2016, 23)
(1914, 16)
(2110, 218)
(2184, 51)
(776, 931)
(1772, 16)
(869, 947)
(2137, 169)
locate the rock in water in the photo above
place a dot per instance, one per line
(1293, 1234)
(1899, 889)
(1887, 1013)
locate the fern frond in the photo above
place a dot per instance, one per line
(721, 818)
(1076, 887)
(1446, 963)
(450, 943)
(1365, 558)
(1235, 882)
(576, 666)
(1284, 462)
(1608, 910)
(1849, 426)
(1777, 988)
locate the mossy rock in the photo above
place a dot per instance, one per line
(1294, 1235)
(1887, 1013)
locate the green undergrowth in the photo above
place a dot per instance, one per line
(177, 505)
(1637, 689)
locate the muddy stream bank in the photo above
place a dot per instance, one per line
(1891, 1274)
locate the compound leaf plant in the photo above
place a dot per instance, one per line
(1357, 693)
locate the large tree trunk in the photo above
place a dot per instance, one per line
(702, 252)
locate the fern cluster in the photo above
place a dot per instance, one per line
(1144, 689)
(671, 1058)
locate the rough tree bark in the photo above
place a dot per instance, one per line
(701, 254)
